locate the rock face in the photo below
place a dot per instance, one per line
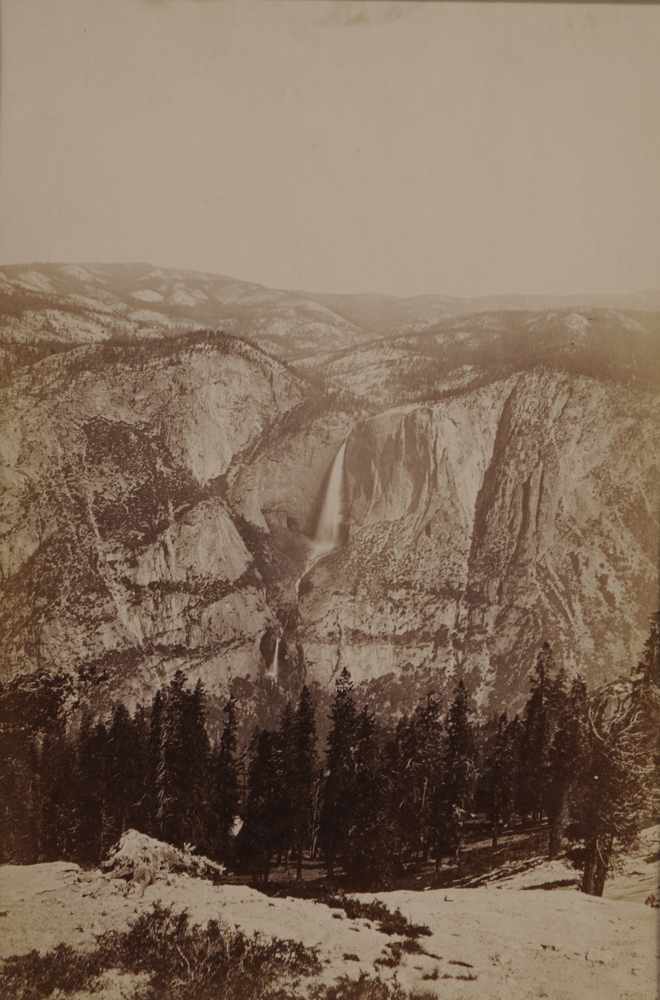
(120, 556)
(161, 492)
(479, 526)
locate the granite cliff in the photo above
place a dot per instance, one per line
(161, 489)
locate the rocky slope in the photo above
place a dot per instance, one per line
(120, 557)
(47, 307)
(160, 489)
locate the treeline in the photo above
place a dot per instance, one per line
(378, 800)
(72, 793)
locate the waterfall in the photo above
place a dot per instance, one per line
(328, 531)
(274, 667)
(329, 525)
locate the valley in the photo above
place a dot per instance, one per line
(495, 478)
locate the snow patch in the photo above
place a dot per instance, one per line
(78, 272)
(35, 281)
(143, 860)
(149, 316)
(182, 297)
(577, 323)
(147, 295)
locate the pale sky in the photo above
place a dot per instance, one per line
(401, 148)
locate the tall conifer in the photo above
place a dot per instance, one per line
(454, 793)
(339, 784)
(225, 801)
(565, 761)
(304, 774)
(499, 778)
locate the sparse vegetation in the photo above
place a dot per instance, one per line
(395, 950)
(387, 921)
(389, 960)
(180, 961)
(367, 987)
(411, 946)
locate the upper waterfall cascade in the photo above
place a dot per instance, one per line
(328, 528)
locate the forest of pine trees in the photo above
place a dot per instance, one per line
(377, 800)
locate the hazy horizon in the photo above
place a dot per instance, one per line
(369, 292)
(464, 150)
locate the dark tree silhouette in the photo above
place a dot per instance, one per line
(339, 784)
(225, 799)
(453, 795)
(303, 776)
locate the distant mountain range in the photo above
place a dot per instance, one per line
(82, 303)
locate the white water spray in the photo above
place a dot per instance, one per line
(328, 532)
(328, 528)
(274, 668)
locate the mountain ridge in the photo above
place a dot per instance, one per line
(161, 483)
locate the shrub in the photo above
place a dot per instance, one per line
(182, 962)
(33, 976)
(393, 960)
(388, 921)
(412, 947)
(366, 988)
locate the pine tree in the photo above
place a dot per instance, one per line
(613, 795)
(454, 793)
(541, 716)
(368, 857)
(183, 765)
(139, 814)
(646, 692)
(499, 777)
(195, 798)
(303, 776)
(422, 754)
(225, 799)
(260, 836)
(122, 775)
(91, 750)
(397, 791)
(285, 751)
(152, 765)
(172, 765)
(339, 784)
(58, 797)
(31, 714)
(20, 804)
(565, 761)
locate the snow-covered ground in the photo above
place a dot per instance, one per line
(485, 943)
(637, 877)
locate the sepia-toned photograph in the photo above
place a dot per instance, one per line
(329, 500)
